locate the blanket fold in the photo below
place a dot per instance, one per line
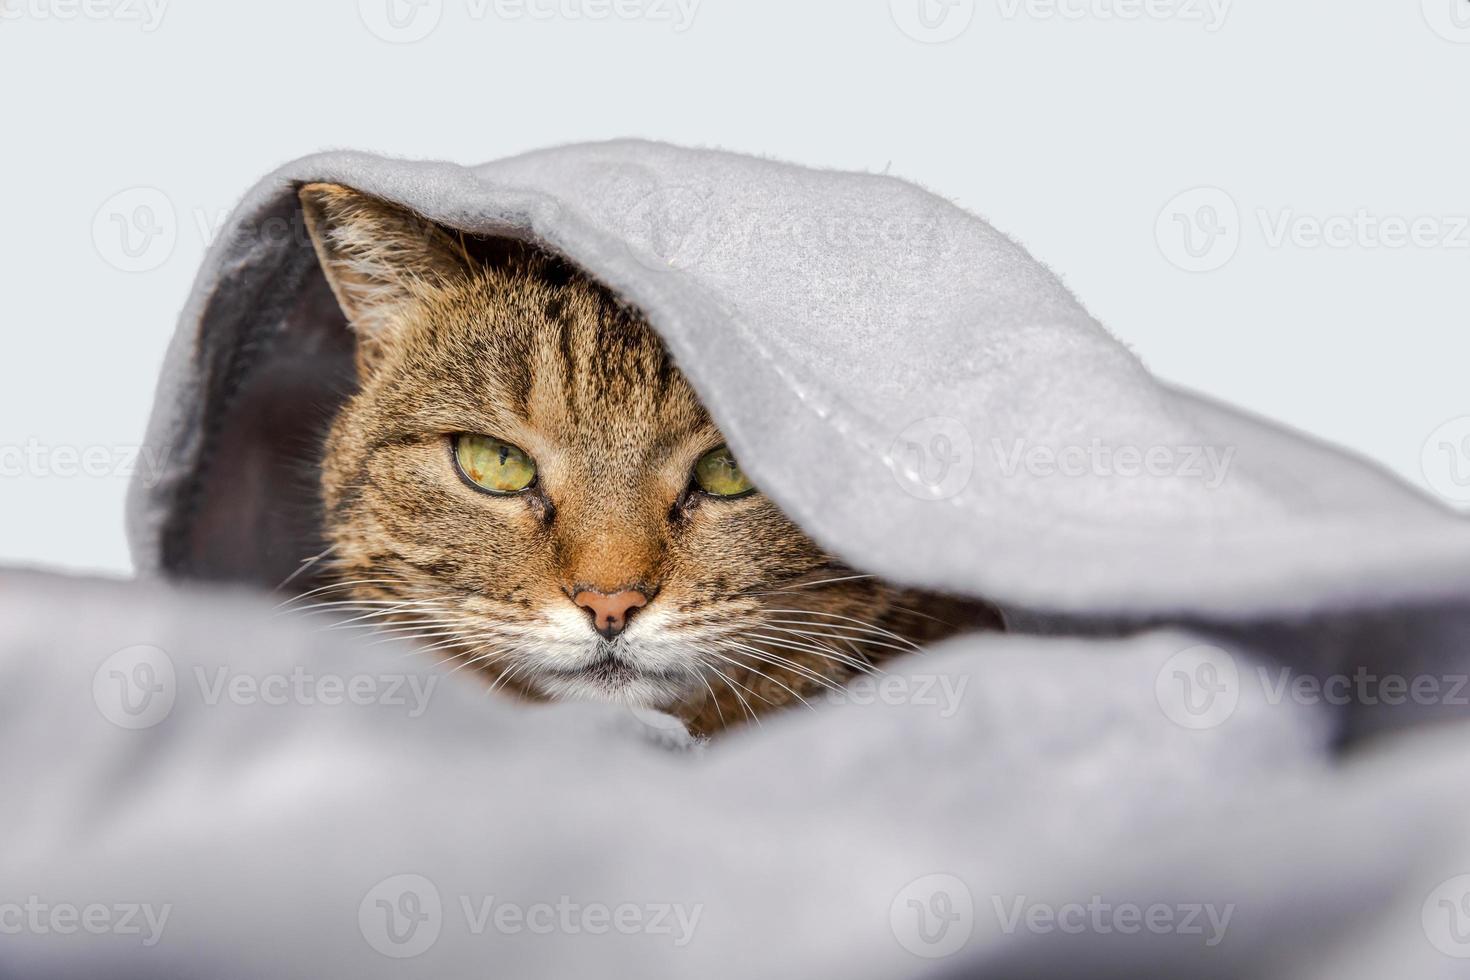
(916, 391)
(253, 819)
(1224, 737)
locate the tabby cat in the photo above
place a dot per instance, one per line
(526, 481)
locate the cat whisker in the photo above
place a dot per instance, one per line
(453, 641)
(406, 632)
(503, 681)
(318, 608)
(911, 611)
(416, 605)
(764, 676)
(809, 643)
(795, 589)
(411, 638)
(860, 625)
(789, 690)
(816, 648)
(363, 612)
(750, 713)
(466, 658)
(396, 629)
(399, 630)
(337, 587)
(775, 660)
(306, 563)
(713, 698)
(441, 626)
(393, 622)
(849, 638)
(485, 657)
(466, 643)
(425, 642)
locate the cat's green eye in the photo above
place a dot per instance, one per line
(492, 465)
(718, 475)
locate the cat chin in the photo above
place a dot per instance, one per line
(629, 688)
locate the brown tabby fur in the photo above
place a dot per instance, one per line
(747, 613)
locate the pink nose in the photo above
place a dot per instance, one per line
(610, 612)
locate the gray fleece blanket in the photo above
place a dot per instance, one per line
(1224, 737)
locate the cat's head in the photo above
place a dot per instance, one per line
(525, 480)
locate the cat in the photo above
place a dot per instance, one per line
(525, 480)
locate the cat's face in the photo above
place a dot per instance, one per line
(526, 481)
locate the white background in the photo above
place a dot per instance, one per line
(1071, 124)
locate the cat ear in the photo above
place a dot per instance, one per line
(377, 256)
